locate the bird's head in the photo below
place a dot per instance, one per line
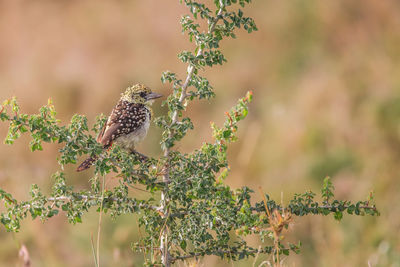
(139, 93)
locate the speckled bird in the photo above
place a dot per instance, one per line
(128, 122)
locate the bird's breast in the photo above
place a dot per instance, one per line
(128, 141)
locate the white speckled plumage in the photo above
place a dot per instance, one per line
(128, 122)
(129, 141)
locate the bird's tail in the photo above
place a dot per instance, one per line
(86, 164)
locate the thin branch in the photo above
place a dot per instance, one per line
(93, 250)
(99, 224)
(166, 258)
(191, 67)
(254, 209)
(347, 206)
(86, 198)
(185, 257)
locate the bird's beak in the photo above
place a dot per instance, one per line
(153, 96)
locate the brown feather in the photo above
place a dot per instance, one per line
(125, 118)
(109, 135)
(101, 133)
(86, 164)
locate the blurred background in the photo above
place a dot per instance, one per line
(326, 83)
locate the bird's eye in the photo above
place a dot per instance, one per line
(142, 94)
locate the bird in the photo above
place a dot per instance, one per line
(128, 122)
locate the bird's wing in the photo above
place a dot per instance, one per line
(125, 118)
(101, 133)
(109, 134)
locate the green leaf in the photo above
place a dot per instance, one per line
(338, 215)
(183, 244)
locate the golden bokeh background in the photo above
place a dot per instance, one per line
(326, 83)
